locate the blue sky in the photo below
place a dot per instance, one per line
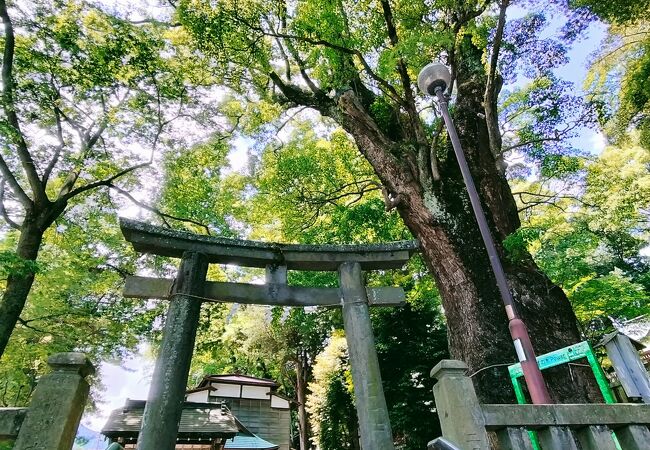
(575, 71)
(579, 57)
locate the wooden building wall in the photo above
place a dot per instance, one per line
(271, 424)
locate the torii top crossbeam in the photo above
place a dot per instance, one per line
(161, 241)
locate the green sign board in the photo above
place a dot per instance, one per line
(555, 358)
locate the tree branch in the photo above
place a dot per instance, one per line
(530, 205)
(491, 88)
(121, 272)
(3, 210)
(385, 85)
(105, 182)
(341, 192)
(155, 22)
(38, 330)
(93, 138)
(88, 142)
(532, 141)
(559, 135)
(547, 199)
(15, 186)
(391, 202)
(285, 58)
(401, 66)
(301, 67)
(50, 316)
(156, 211)
(417, 129)
(57, 151)
(301, 97)
(611, 52)
(9, 108)
(284, 124)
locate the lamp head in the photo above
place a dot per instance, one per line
(432, 76)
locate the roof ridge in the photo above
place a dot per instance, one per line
(238, 375)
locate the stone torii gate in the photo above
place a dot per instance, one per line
(189, 289)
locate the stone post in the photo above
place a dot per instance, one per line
(57, 404)
(628, 365)
(557, 438)
(374, 423)
(162, 413)
(459, 411)
(633, 436)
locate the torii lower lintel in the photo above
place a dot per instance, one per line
(272, 294)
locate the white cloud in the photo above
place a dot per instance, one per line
(128, 380)
(238, 156)
(597, 142)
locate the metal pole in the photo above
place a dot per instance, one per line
(524, 348)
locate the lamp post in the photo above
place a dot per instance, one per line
(433, 80)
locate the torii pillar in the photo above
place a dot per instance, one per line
(374, 423)
(162, 412)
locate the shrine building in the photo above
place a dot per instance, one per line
(255, 403)
(224, 412)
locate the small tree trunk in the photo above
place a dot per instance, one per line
(353, 426)
(301, 393)
(20, 282)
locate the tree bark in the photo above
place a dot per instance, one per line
(19, 283)
(442, 219)
(37, 220)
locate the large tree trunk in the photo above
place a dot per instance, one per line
(37, 220)
(19, 282)
(442, 219)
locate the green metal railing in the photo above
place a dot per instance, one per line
(555, 358)
(564, 356)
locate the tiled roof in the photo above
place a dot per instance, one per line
(249, 441)
(197, 420)
(201, 388)
(239, 379)
(637, 328)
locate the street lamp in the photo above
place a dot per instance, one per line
(433, 79)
